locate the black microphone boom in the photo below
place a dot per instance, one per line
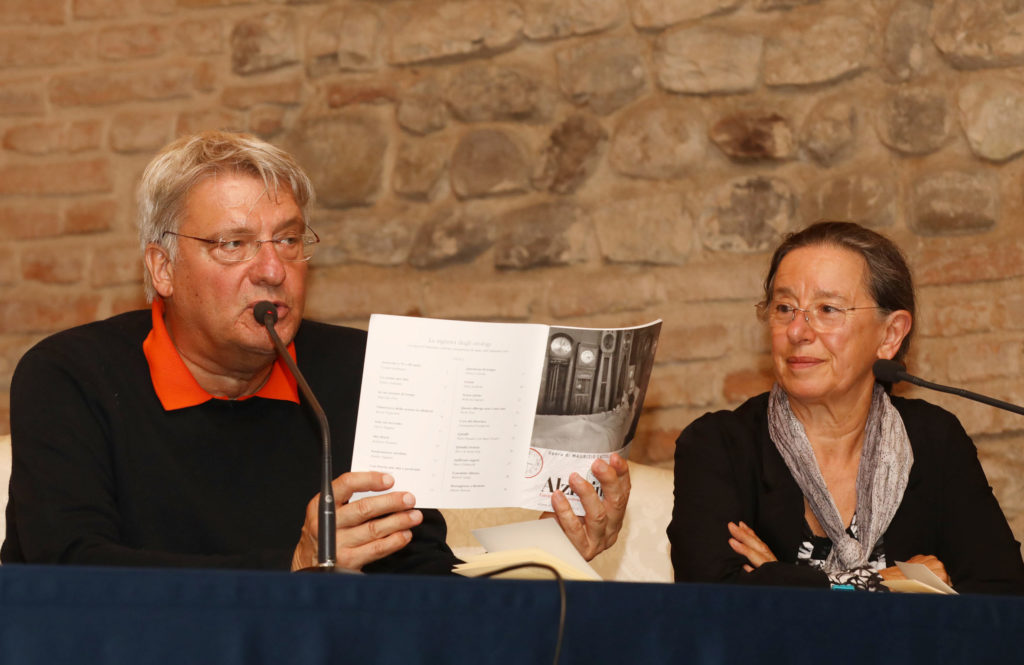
(890, 371)
(266, 314)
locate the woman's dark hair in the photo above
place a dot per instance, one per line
(889, 280)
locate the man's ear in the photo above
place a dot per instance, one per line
(897, 328)
(161, 270)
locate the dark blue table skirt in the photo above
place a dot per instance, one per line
(94, 615)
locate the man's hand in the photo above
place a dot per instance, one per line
(933, 563)
(598, 529)
(367, 529)
(744, 541)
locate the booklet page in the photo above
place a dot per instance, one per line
(447, 408)
(592, 391)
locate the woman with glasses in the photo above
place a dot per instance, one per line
(827, 480)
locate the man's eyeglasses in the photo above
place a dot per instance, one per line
(238, 247)
(821, 317)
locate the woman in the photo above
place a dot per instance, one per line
(827, 480)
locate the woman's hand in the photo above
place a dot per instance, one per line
(744, 541)
(932, 562)
(599, 528)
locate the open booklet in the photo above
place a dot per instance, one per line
(920, 579)
(530, 542)
(486, 415)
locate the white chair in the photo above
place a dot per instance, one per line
(640, 554)
(5, 476)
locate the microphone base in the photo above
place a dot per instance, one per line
(329, 570)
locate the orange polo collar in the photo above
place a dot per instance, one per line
(177, 388)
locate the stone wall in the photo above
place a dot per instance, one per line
(582, 162)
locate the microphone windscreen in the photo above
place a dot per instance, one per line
(263, 308)
(888, 371)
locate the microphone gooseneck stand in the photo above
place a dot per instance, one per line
(266, 313)
(890, 371)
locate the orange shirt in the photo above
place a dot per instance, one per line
(178, 389)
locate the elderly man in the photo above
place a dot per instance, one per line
(175, 437)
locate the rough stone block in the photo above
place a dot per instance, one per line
(265, 42)
(992, 115)
(908, 50)
(480, 92)
(454, 236)
(344, 156)
(954, 202)
(488, 162)
(830, 130)
(344, 38)
(748, 214)
(422, 109)
(604, 73)
(544, 234)
(653, 229)
(818, 50)
(748, 136)
(382, 237)
(419, 167)
(571, 154)
(916, 120)
(653, 14)
(431, 30)
(866, 197)
(555, 19)
(974, 34)
(658, 141)
(704, 60)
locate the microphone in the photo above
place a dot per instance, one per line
(266, 314)
(890, 371)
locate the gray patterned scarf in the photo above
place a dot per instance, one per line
(881, 478)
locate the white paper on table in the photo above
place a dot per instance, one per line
(447, 408)
(918, 572)
(544, 534)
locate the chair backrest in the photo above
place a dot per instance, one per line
(5, 476)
